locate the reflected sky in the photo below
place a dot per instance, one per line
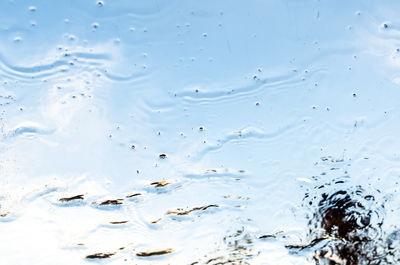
(187, 132)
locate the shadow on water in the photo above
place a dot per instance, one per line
(346, 227)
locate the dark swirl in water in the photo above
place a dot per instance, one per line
(345, 227)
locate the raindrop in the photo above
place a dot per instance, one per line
(385, 25)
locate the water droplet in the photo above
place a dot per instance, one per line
(95, 25)
(132, 29)
(100, 3)
(32, 8)
(205, 34)
(385, 25)
(163, 156)
(201, 128)
(17, 39)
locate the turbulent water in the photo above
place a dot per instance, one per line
(199, 132)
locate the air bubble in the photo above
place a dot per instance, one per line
(32, 8)
(95, 25)
(385, 25)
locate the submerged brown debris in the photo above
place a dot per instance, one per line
(159, 184)
(132, 195)
(110, 202)
(155, 221)
(181, 212)
(274, 235)
(100, 255)
(4, 214)
(154, 252)
(119, 222)
(76, 197)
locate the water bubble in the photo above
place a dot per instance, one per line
(95, 25)
(32, 8)
(100, 3)
(17, 39)
(132, 29)
(205, 34)
(201, 128)
(162, 156)
(385, 25)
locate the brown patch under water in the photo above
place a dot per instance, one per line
(151, 253)
(76, 197)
